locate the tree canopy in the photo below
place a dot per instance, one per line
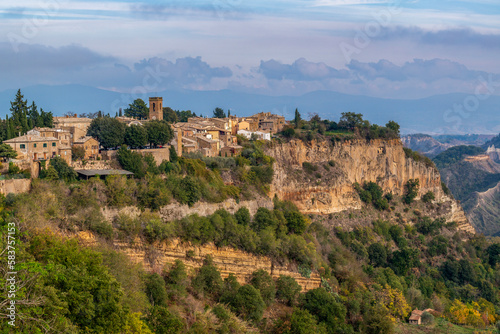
(108, 131)
(219, 113)
(159, 132)
(137, 109)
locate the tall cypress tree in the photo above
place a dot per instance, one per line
(8, 132)
(19, 109)
(297, 118)
(34, 117)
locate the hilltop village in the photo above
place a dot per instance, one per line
(210, 137)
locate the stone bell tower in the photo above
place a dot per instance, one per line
(156, 108)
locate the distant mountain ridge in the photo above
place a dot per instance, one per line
(431, 115)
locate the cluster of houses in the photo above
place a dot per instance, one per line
(45, 143)
(210, 136)
(217, 136)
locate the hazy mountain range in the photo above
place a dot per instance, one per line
(435, 114)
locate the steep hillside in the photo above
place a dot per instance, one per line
(424, 144)
(474, 181)
(329, 188)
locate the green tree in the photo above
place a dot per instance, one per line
(263, 282)
(248, 303)
(65, 171)
(47, 119)
(169, 115)
(159, 132)
(326, 308)
(350, 120)
(411, 191)
(303, 322)
(391, 125)
(163, 321)
(377, 254)
(173, 154)
(109, 132)
(19, 111)
(155, 290)
(136, 136)
(287, 289)
(137, 109)
(264, 218)
(51, 173)
(208, 280)
(243, 216)
(132, 162)
(219, 113)
(34, 118)
(296, 222)
(297, 119)
(7, 152)
(377, 321)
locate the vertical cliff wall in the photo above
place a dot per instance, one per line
(340, 165)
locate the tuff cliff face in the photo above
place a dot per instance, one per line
(330, 188)
(155, 257)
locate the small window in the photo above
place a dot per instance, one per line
(34, 145)
(22, 146)
(44, 144)
(53, 144)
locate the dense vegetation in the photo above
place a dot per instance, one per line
(23, 118)
(455, 154)
(350, 126)
(373, 276)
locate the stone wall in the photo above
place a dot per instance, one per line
(15, 186)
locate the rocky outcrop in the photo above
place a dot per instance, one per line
(330, 188)
(155, 257)
(175, 211)
(15, 186)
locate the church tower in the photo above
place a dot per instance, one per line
(156, 108)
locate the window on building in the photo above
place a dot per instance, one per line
(34, 145)
(22, 146)
(44, 144)
(53, 144)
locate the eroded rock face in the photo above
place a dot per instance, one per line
(155, 257)
(329, 189)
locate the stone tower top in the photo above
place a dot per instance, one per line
(156, 108)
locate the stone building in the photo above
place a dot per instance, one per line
(33, 147)
(156, 108)
(77, 126)
(90, 147)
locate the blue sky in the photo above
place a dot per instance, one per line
(393, 49)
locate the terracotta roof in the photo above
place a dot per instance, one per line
(82, 140)
(415, 317)
(29, 138)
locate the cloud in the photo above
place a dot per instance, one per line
(36, 57)
(184, 70)
(301, 70)
(422, 70)
(464, 37)
(39, 64)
